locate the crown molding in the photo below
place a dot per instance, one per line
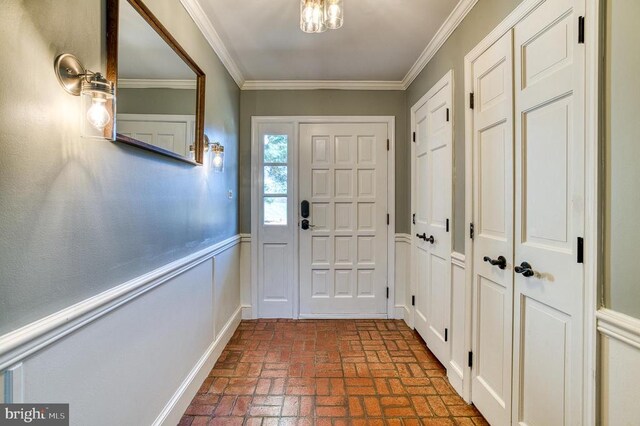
(148, 83)
(450, 24)
(201, 20)
(321, 84)
(446, 29)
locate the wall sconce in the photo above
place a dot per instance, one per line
(97, 92)
(216, 155)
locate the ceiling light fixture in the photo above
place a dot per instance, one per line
(316, 16)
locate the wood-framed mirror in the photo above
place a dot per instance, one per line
(160, 90)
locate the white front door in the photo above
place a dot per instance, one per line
(492, 283)
(432, 190)
(549, 216)
(343, 253)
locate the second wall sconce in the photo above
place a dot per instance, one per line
(216, 155)
(98, 100)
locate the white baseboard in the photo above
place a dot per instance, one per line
(247, 312)
(179, 402)
(399, 312)
(407, 317)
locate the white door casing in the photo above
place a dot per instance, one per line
(549, 215)
(343, 256)
(432, 186)
(492, 285)
(275, 254)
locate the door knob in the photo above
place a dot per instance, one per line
(500, 262)
(306, 225)
(524, 269)
(422, 237)
(430, 239)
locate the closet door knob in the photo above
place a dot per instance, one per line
(524, 269)
(500, 262)
(430, 239)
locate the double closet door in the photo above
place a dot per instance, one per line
(528, 214)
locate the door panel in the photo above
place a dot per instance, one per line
(493, 217)
(343, 256)
(432, 192)
(549, 215)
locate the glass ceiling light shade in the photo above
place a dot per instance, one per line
(333, 14)
(312, 16)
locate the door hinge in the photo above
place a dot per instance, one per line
(447, 114)
(471, 231)
(387, 292)
(413, 218)
(387, 144)
(580, 29)
(471, 101)
(470, 359)
(580, 257)
(413, 301)
(414, 136)
(447, 225)
(446, 334)
(387, 218)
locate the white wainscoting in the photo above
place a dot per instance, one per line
(403, 278)
(135, 354)
(457, 368)
(619, 368)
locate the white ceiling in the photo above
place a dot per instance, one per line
(380, 40)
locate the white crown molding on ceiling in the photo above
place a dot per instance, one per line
(204, 24)
(320, 84)
(206, 27)
(148, 83)
(450, 24)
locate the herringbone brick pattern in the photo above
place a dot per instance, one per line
(327, 372)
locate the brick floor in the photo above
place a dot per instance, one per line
(327, 372)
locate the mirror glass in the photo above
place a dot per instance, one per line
(156, 89)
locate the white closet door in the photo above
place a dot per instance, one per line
(343, 256)
(549, 216)
(432, 238)
(493, 221)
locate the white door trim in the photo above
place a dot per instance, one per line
(391, 198)
(593, 204)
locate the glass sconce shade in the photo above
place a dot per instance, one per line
(97, 93)
(312, 16)
(98, 101)
(334, 14)
(217, 157)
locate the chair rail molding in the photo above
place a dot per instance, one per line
(31, 338)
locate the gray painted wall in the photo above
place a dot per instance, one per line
(325, 102)
(622, 151)
(80, 216)
(157, 101)
(483, 18)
